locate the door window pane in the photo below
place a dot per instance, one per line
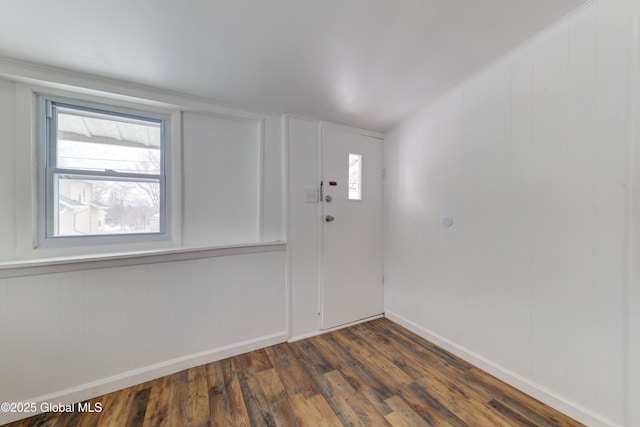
(355, 176)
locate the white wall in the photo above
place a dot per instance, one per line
(7, 170)
(304, 226)
(70, 330)
(227, 185)
(530, 159)
(233, 179)
(69, 336)
(222, 184)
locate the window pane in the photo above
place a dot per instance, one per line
(89, 141)
(355, 176)
(98, 207)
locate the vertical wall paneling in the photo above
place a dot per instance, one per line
(67, 336)
(243, 290)
(168, 327)
(182, 299)
(7, 170)
(414, 214)
(24, 167)
(493, 208)
(73, 330)
(33, 336)
(610, 195)
(581, 167)
(205, 299)
(107, 343)
(633, 301)
(520, 207)
(138, 306)
(536, 255)
(391, 218)
(274, 170)
(221, 183)
(418, 212)
(549, 240)
(449, 155)
(467, 217)
(260, 181)
(304, 225)
(4, 339)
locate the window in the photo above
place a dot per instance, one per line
(103, 173)
(355, 176)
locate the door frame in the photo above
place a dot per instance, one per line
(322, 125)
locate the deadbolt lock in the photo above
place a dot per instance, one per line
(329, 218)
(328, 199)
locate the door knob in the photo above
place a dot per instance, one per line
(329, 218)
(328, 199)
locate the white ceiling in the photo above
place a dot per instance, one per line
(368, 63)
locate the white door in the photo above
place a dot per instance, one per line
(352, 227)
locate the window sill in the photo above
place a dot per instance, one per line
(66, 264)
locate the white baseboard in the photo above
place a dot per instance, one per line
(141, 375)
(324, 331)
(543, 394)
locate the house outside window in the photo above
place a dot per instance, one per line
(103, 173)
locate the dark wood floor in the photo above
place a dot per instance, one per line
(373, 374)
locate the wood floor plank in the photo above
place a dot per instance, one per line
(114, 409)
(402, 414)
(439, 375)
(198, 412)
(359, 377)
(138, 408)
(43, 420)
(374, 359)
(242, 362)
(276, 397)
(293, 377)
(367, 413)
(429, 410)
(254, 399)
(313, 412)
(380, 343)
(475, 380)
(90, 419)
(316, 367)
(372, 374)
(239, 414)
(67, 419)
(306, 415)
(160, 399)
(179, 406)
(260, 361)
(470, 407)
(517, 401)
(320, 404)
(221, 414)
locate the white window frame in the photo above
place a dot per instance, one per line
(47, 168)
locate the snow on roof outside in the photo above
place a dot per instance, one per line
(121, 158)
(137, 134)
